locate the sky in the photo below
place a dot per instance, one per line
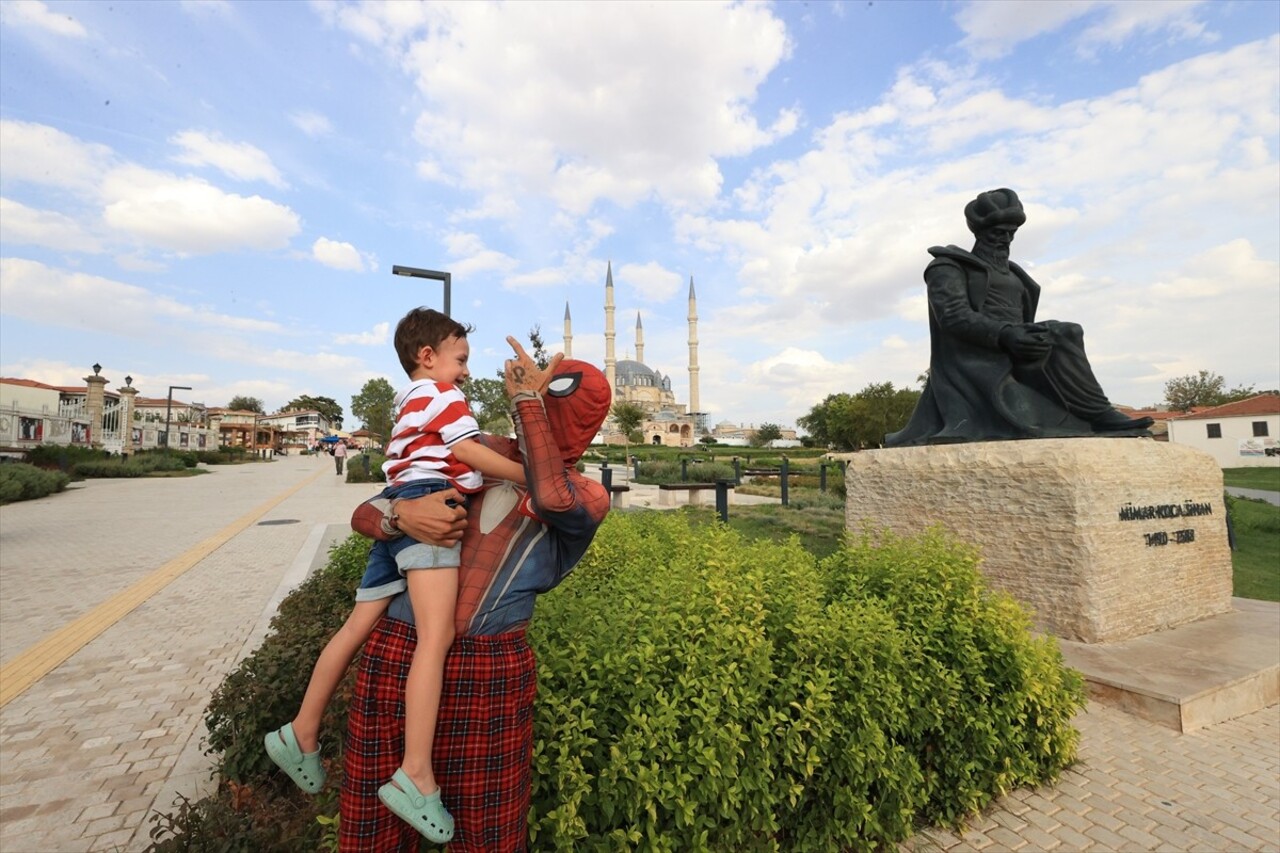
(213, 194)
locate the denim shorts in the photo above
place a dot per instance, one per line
(388, 561)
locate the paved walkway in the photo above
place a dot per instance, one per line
(1256, 494)
(126, 602)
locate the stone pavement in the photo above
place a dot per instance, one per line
(111, 734)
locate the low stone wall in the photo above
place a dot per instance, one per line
(1103, 538)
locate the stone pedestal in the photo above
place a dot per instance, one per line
(1103, 538)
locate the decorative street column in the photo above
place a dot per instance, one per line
(127, 393)
(94, 399)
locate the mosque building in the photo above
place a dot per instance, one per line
(667, 422)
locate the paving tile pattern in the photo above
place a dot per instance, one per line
(1142, 787)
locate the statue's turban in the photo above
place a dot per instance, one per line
(994, 207)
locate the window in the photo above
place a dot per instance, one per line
(1215, 430)
(1259, 429)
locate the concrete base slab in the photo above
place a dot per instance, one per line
(1191, 676)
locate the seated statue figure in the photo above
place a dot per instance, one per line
(995, 373)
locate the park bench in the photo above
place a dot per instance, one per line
(618, 497)
(667, 492)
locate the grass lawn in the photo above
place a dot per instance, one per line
(818, 520)
(1252, 478)
(1256, 560)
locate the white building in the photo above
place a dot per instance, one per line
(1244, 434)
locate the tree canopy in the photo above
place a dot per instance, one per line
(242, 403)
(857, 421)
(488, 398)
(765, 434)
(1202, 389)
(326, 406)
(375, 407)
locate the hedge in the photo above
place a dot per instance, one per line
(701, 692)
(22, 482)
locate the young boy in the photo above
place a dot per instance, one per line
(433, 447)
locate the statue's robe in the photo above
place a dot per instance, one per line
(974, 392)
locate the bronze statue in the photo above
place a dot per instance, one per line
(994, 372)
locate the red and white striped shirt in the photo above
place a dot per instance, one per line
(430, 418)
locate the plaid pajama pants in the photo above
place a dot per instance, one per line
(483, 747)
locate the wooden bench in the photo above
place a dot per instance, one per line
(667, 492)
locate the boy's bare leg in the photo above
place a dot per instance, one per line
(331, 666)
(433, 593)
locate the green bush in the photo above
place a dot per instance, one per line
(138, 465)
(701, 692)
(63, 457)
(264, 691)
(22, 482)
(668, 471)
(355, 468)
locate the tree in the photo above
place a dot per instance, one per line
(627, 417)
(488, 398)
(375, 407)
(1202, 389)
(326, 406)
(765, 434)
(241, 403)
(854, 421)
(539, 349)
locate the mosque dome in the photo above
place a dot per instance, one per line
(628, 372)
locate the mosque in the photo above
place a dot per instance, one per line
(667, 422)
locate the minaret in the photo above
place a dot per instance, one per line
(639, 340)
(568, 333)
(610, 361)
(695, 408)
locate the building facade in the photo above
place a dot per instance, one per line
(1243, 434)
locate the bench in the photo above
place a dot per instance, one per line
(618, 497)
(761, 472)
(667, 492)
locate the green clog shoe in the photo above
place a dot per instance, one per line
(303, 768)
(424, 812)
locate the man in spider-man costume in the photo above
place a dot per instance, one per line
(515, 546)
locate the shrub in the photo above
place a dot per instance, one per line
(698, 692)
(701, 692)
(139, 465)
(63, 457)
(668, 471)
(264, 691)
(355, 468)
(22, 482)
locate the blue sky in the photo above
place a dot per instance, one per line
(213, 194)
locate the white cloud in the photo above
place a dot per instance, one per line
(994, 27)
(238, 160)
(27, 226)
(378, 335)
(64, 299)
(191, 216)
(656, 112)
(341, 256)
(311, 123)
(43, 155)
(36, 15)
(650, 283)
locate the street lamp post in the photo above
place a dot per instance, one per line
(415, 272)
(168, 407)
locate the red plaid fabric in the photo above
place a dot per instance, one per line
(483, 746)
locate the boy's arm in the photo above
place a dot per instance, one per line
(473, 454)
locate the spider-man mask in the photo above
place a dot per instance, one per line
(577, 402)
